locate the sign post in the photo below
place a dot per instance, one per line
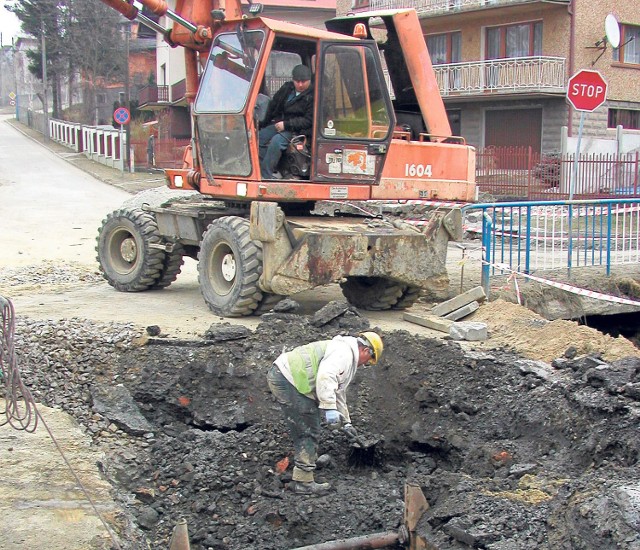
(121, 115)
(586, 91)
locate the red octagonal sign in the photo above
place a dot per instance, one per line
(587, 90)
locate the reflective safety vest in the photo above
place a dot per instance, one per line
(303, 364)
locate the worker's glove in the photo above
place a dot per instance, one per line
(332, 416)
(350, 430)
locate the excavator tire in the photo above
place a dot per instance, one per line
(372, 293)
(173, 262)
(126, 255)
(266, 304)
(229, 268)
(409, 297)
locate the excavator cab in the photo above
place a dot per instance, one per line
(353, 118)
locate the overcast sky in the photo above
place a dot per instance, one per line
(9, 25)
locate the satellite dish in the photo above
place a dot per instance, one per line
(612, 30)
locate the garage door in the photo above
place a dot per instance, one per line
(513, 128)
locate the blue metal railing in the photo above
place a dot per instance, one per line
(528, 237)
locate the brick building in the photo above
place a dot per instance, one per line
(502, 65)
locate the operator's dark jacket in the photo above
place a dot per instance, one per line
(297, 114)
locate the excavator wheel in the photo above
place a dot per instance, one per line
(173, 262)
(128, 259)
(229, 268)
(410, 296)
(266, 304)
(372, 293)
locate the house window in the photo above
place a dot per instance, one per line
(101, 99)
(444, 48)
(521, 40)
(629, 50)
(626, 118)
(359, 4)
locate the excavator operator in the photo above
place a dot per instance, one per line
(312, 378)
(289, 113)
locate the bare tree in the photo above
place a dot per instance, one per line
(85, 40)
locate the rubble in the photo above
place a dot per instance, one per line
(510, 452)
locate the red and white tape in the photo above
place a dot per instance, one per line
(570, 288)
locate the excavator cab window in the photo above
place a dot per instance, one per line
(222, 97)
(355, 115)
(353, 103)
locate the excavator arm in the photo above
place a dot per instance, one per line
(194, 18)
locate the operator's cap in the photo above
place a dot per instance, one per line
(301, 73)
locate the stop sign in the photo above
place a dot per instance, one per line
(587, 90)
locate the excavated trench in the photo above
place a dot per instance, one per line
(509, 452)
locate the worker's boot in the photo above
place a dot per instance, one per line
(311, 488)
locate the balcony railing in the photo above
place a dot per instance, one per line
(502, 76)
(153, 94)
(178, 90)
(439, 7)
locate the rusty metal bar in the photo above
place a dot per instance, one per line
(377, 540)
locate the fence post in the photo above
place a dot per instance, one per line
(529, 172)
(487, 230)
(636, 173)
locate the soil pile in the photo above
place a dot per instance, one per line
(510, 452)
(524, 331)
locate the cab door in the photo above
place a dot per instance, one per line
(354, 115)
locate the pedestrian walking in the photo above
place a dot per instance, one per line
(151, 153)
(314, 378)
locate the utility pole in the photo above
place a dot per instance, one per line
(127, 98)
(45, 103)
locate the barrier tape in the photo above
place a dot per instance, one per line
(570, 288)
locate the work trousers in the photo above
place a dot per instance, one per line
(302, 417)
(271, 143)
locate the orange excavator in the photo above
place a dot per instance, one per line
(380, 133)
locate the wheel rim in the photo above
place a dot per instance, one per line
(129, 250)
(123, 249)
(223, 269)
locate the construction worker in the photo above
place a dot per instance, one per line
(314, 378)
(290, 113)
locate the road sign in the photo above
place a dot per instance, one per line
(587, 90)
(121, 115)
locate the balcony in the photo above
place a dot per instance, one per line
(496, 77)
(151, 96)
(442, 7)
(178, 92)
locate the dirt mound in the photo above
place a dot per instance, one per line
(515, 327)
(509, 452)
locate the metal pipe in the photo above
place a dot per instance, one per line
(181, 21)
(377, 540)
(151, 24)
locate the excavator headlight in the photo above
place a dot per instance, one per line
(178, 181)
(255, 8)
(241, 189)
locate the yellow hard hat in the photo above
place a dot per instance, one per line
(374, 341)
